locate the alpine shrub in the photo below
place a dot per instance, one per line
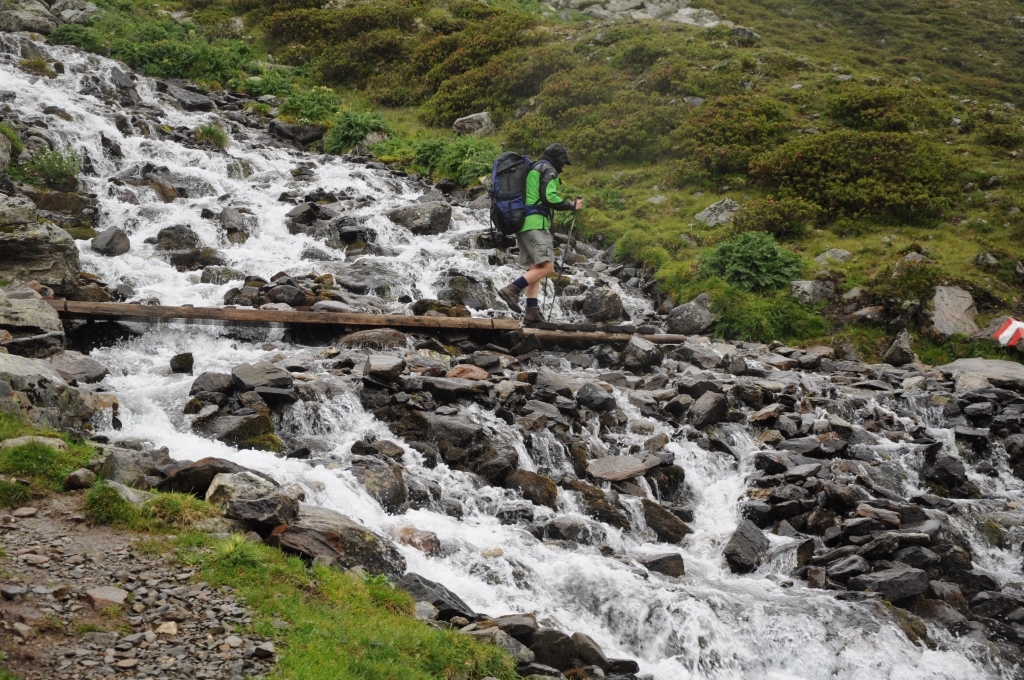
(1005, 135)
(888, 176)
(881, 109)
(752, 261)
(783, 218)
(273, 81)
(75, 34)
(315, 106)
(464, 159)
(56, 168)
(351, 127)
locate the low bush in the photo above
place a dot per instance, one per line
(569, 90)
(721, 136)
(463, 159)
(1004, 135)
(57, 168)
(887, 176)
(783, 218)
(212, 133)
(16, 146)
(315, 106)
(79, 36)
(884, 109)
(351, 127)
(273, 81)
(752, 261)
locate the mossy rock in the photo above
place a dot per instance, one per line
(82, 233)
(264, 442)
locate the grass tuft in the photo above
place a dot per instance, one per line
(103, 505)
(212, 133)
(13, 494)
(16, 146)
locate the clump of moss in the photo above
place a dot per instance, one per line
(38, 65)
(264, 442)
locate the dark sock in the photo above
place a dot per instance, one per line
(520, 283)
(532, 302)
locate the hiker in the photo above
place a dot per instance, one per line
(536, 246)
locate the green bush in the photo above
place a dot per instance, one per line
(274, 81)
(888, 176)
(57, 168)
(721, 136)
(16, 146)
(884, 109)
(75, 34)
(464, 159)
(752, 261)
(573, 89)
(315, 106)
(783, 218)
(212, 133)
(351, 127)
(1005, 135)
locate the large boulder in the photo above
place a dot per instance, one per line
(382, 479)
(693, 317)
(75, 367)
(447, 603)
(952, 312)
(640, 354)
(377, 338)
(177, 237)
(230, 485)
(710, 409)
(246, 432)
(595, 397)
(301, 134)
(30, 16)
(34, 390)
(74, 11)
(618, 468)
(1006, 374)
(668, 527)
(812, 292)
(263, 374)
(366, 277)
(33, 328)
(554, 648)
(423, 218)
(449, 430)
(534, 487)
(112, 242)
(894, 584)
(550, 385)
(267, 509)
(901, 351)
(745, 549)
(189, 100)
(209, 381)
(496, 465)
(196, 478)
(603, 304)
(718, 213)
(329, 535)
(31, 250)
(131, 468)
(476, 124)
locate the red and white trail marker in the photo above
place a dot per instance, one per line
(1010, 333)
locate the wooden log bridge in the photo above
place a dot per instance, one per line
(246, 316)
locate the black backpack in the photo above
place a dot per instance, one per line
(508, 192)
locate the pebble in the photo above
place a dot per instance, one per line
(25, 512)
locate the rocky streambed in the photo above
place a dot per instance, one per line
(706, 509)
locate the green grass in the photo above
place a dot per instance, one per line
(13, 494)
(212, 133)
(340, 627)
(103, 505)
(55, 168)
(16, 146)
(43, 465)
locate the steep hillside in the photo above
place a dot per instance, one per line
(880, 130)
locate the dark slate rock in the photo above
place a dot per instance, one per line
(710, 409)
(424, 590)
(112, 242)
(745, 549)
(894, 584)
(595, 397)
(554, 648)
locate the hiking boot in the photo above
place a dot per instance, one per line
(510, 294)
(533, 315)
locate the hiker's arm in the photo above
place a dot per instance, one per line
(549, 192)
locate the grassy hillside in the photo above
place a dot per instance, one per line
(878, 129)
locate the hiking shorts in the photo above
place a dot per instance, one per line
(535, 247)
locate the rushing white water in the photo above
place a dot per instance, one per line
(708, 624)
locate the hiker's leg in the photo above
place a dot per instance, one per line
(535, 274)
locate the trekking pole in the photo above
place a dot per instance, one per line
(561, 267)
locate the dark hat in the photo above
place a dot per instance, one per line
(558, 153)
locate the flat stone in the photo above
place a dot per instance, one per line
(1005, 374)
(52, 442)
(953, 312)
(101, 598)
(25, 511)
(618, 468)
(168, 628)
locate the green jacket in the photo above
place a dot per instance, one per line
(542, 190)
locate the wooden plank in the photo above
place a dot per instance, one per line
(597, 337)
(114, 310)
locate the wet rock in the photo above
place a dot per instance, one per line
(602, 304)
(595, 397)
(590, 652)
(718, 213)
(329, 535)
(745, 549)
(423, 218)
(195, 478)
(618, 468)
(952, 312)
(710, 409)
(189, 101)
(894, 584)
(535, 488)
(75, 367)
(497, 464)
(668, 527)
(468, 372)
(289, 295)
(382, 480)
(670, 564)
(112, 242)
(476, 124)
(178, 237)
(383, 368)
(1005, 374)
(29, 327)
(550, 385)
(693, 317)
(248, 431)
(554, 648)
(376, 338)
(449, 430)
(678, 406)
(945, 475)
(182, 363)
(229, 485)
(640, 354)
(220, 275)
(131, 468)
(847, 568)
(209, 381)
(248, 377)
(301, 134)
(519, 626)
(901, 351)
(448, 604)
